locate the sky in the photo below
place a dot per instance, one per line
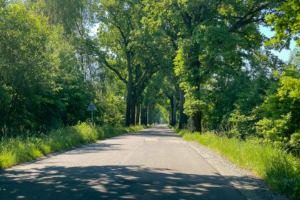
(284, 54)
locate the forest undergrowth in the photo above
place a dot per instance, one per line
(279, 169)
(21, 149)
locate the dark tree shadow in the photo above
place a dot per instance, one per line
(112, 182)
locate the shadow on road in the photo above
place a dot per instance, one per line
(156, 131)
(111, 182)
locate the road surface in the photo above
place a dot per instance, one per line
(154, 163)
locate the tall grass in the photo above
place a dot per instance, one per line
(279, 169)
(17, 150)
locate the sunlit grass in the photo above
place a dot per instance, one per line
(279, 169)
(17, 150)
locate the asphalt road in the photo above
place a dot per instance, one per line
(154, 163)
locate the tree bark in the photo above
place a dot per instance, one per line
(182, 116)
(137, 116)
(144, 115)
(196, 122)
(149, 114)
(132, 112)
(129, 91)
(174, 110)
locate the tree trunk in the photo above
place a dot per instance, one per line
(129, 91)
(196, 122)
(174, 110)
(194, 62)
(144, 115)
(132, 112)
(137, 116)
(150, 114)
(182, 116)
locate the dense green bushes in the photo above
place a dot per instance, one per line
(41, 83)
(278, 168)
(21, 149)
(45, 80)
(276, 119)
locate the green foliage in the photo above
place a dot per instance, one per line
(210, 38)
(17, 150)
(41, 82)
(65, 13)
(111, 106)
(286, 24)
(281, 109)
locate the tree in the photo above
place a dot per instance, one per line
(280, 111)
(40, 76)
(285, 22)
(210, 35)
(65, 13)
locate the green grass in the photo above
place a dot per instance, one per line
(279, 169)
(17, 150)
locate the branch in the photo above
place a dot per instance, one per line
(144, 85)
(241, 22)
(123, 36)
(141, 79)
(116, 71)
(174, 45)
(101, 56)
(207, 70)
(247, 35)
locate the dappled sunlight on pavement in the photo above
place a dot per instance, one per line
(150, 164)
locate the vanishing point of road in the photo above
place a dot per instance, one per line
(154, 163)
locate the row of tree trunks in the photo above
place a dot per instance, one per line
(136, 112)
(144, 112)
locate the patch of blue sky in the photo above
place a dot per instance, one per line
(284, 54)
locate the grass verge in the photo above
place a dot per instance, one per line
(17, 150)
(279, 169)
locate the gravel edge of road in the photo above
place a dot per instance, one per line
(252, 187)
